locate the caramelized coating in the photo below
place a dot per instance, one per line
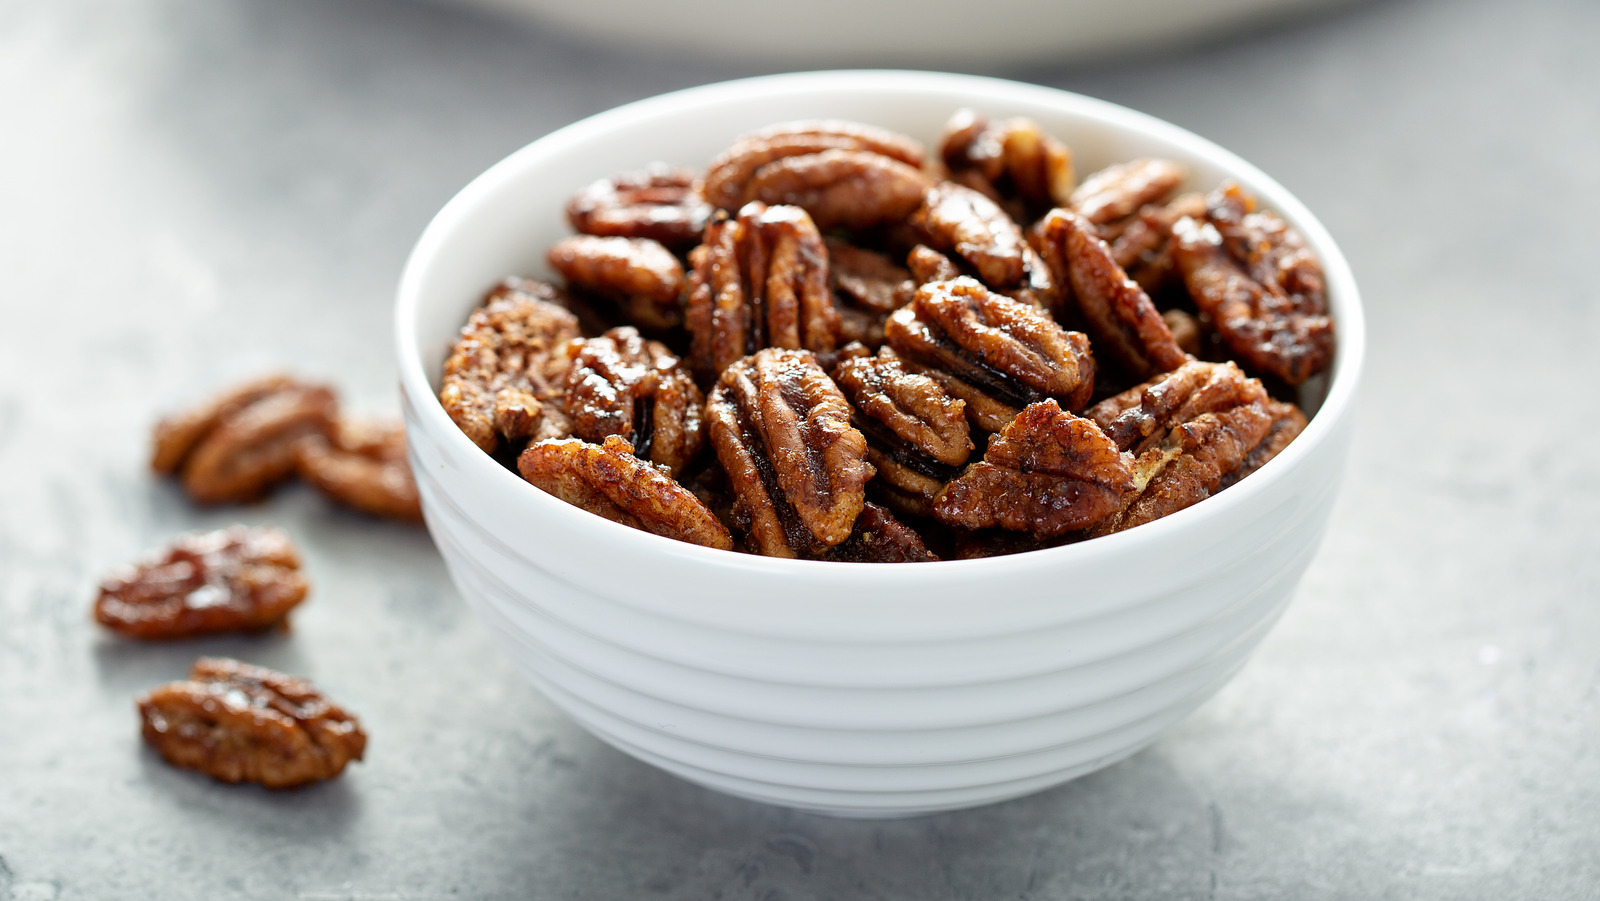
(620, 384)
(237, 579)
(727, 181)
(929, 265)
(608, 480)
(1269, 249)
(1012, 159)
(880, 538)
(362, 464)
(1287, 423)
(853, 189)
(241, 723)
(639, 275)
(1117, 192)
(781, 429)
(1119, 317)
(658, 202)
(237, 448)
(962, 221)
(1047, 472)
(760, 280)
(867, 286)
(1139, 418)
(1142, 245)
(917, 434)
(993, 352)
(176, 436)
(506, 375)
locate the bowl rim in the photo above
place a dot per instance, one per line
(1336, 406)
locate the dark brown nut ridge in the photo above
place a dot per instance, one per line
(609, 481)
(993, 352)
(621, 384)
(880, 538)
(867, 287)
(658, 202)
(1047, 472)
(781, 429)
(362, 464)
(237, 579)
(1120, 318)
(506, 375)
(727, 181)
(1142, 245)
(852, 189)
(1012, 159)
(1117, 192)
(241, 723)
(917, 433)
(238, 446)
(1140, 417)
(760, 280)
(639, 275)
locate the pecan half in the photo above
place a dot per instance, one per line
(1117, 192)
(238, 446)
(867, 287)
(1119, 317)
(237, 579)
(1047, 472)
(759, 280)
(639, 275)
(880, 538)
(917, 434)
(362, 464)
(1011, 159)
(658, 202)
(241, 723)
(1142, 244)
(506, 374)
(727, 181)
(851, 189)
(962, 221)
(993, 352)
(608, 480)
(621, 384)
(781, 429)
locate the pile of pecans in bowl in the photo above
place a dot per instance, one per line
(896, 358)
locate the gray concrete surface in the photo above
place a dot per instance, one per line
(192, 191)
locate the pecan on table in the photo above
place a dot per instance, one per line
(506, 375)
(608, 480)
(241, 723)
(917, 434)
(1047, 472)
(239, 445)
(658, 202)
(621, 384)
(759, 280)
(1011, 160)
(237, 579)
(362, 464)
(880, 538)
(993, 352)
(867, 286)
(781, 429)
(639, 275)
(1108, 197)
(1120, 318)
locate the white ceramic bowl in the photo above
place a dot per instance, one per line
(853, 689)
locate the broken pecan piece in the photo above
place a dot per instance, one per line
(236, 579)
(781, 429)
(759, 280)
(659, 203)
(362, 464)
(917, 434)
(993, 352)
(1117, 192)
(639, 275)
(241, 723)
(880, 538)
(609, 481)
(727, 181)
(1047, 472)
(1012, 159)
(506, 374)
(621, 384)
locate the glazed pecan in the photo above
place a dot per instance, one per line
(993, 352)
(867, 287)
(1185, 330)
(781, 429)
(241, 723)
(1117, 192)
(1139, 418)
(236, 447)
(658, 202)
(760, 280)
(639, 275)
(917, 434)
(237, 579)
(362, 464)
(621, 384)
(1047, 472)
(1272, 251)
(1142, 244)
(1119, 317)
(608, 480)
(851, 189)
(506, 374)
(929, 265)
(962, 221)
(880, 538)
(1012, 159)
(727, 183)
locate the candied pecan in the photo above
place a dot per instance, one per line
(1143, 244)
(929, 265)
(1139, 418)
(727, 182)
(1272, 251)
(1287, 423)
(852, 189)
(880, 538)
(1012, 158)
(241, 723)
(867, 287)
(608, 480)
(658, 202)
(1117, 192)
(362, 464)
(1047, 472)
(759, 280)
(993, 352)
(230, 580)
(1120, 319)
(781, 429)
(917, 434)
(639, 275)
(506, 374)
(235, 448)
(621, 384)
(962, 221)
